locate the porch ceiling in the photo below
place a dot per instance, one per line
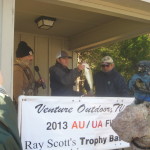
(86, 23)
(70, 21)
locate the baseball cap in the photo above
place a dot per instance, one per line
(62, 54)
(107, 60)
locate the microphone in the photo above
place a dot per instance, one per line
(36, 68)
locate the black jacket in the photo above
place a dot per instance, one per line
(62, 80)
(110, 84)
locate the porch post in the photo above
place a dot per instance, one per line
(7, 13)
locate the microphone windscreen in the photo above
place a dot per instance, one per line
(36, 68)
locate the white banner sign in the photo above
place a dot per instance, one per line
(69, 123)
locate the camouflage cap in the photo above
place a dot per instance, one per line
(107, 60)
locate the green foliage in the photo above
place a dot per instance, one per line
(126, 55)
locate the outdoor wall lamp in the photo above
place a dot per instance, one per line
(44, 22)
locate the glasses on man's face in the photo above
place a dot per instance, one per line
(105, 65)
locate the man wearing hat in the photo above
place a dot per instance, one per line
(24, 82)
(62, 79)
(108, 82)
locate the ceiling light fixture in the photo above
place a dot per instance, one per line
(44, 22)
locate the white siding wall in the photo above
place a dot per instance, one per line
(45, 49)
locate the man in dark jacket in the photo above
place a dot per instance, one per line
(62, 79)
(108, 82)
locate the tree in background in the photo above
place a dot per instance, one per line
(126, 55)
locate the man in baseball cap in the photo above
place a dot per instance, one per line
(108, 82)
(62, 79)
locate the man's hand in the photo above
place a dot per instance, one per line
(41, 83)
(80, 67)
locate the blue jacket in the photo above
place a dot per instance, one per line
(142, 88)
(62, 80)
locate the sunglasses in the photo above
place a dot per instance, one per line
(105, 65)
